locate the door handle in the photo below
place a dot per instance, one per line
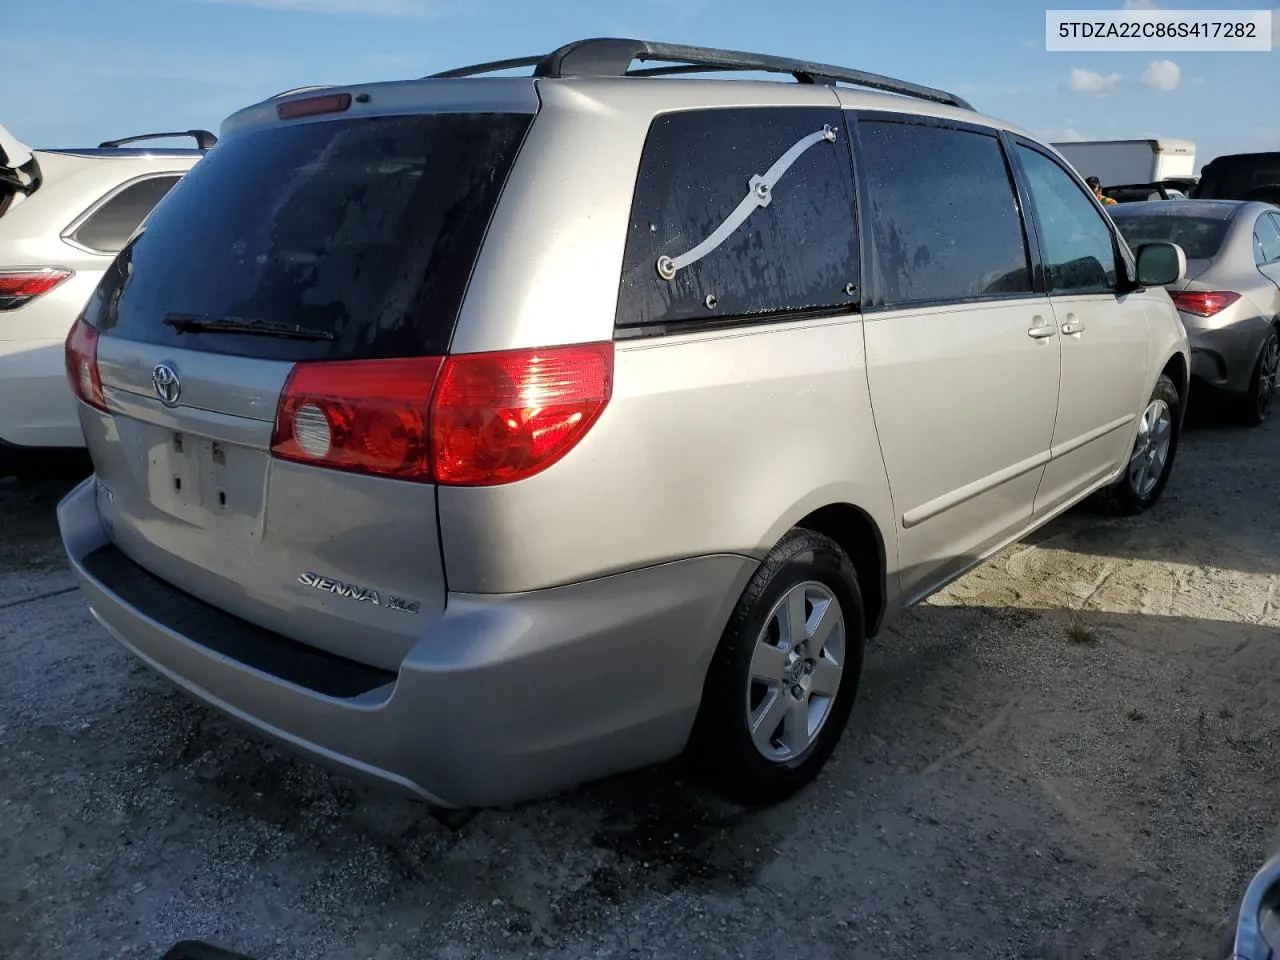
(1073, 325)
(1040, 330)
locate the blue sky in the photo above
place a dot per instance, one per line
(76, 72)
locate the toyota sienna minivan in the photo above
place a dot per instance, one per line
(487, 435)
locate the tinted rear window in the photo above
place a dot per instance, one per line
(366, 229)
(1199, 237)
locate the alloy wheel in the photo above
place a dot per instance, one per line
(795, 674)
(1268, 375)
(1151, 450)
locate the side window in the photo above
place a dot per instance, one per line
(1079, 247)
(740, 212)
(109, 227)
(1266, 239)
(943, 214)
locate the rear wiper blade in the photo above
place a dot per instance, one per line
(253, 326)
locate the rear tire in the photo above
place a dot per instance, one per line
(1256, 404)
(775, 702)
(1151, 462)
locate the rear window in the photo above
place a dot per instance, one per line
(1199, 237)
(365, 230)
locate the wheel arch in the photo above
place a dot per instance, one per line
(859, 536)
(860, 518)
(1178, 369)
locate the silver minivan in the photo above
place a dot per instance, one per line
(487, 435)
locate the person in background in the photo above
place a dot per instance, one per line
(1095, 185)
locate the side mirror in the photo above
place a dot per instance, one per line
(1160, 264)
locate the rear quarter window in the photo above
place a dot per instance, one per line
(1266, 239)
(363, 229)
(797, 254)
(108, 228)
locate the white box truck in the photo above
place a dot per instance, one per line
(1119, 162)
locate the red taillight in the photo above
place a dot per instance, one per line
(467, 420)
(364, 415)
(312, 106)
(501, 417)
(82, 364)
(1204, 303)
(22, 286)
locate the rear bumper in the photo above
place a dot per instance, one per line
(504, 698)
(36, 405)
(1225, 356)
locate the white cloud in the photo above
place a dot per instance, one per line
(405, 9)
(1086, 81)
(1162, 75)
(1140, 5)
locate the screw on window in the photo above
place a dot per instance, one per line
(759, 194)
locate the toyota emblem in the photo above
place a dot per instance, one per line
(164, 378)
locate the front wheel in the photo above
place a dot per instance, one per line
(1154, 450)
(784, 677)
(1256, 404)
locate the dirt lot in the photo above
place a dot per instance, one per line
(1072, 752)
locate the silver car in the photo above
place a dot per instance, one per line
(489, 435)
(1230, 299)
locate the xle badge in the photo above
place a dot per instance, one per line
(353, 592)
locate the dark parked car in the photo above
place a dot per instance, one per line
(1241, 176)
(1137, 192)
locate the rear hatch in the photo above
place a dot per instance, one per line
(333, 248)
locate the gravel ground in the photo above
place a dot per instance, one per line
(1068, 753)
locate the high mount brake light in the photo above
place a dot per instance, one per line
(465, 420)
(82, 364)
(313, 106)
(1204, 303)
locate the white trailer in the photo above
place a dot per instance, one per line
(1119, 162)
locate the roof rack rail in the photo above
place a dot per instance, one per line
(609, 57)
(203, 138)
(492, 66)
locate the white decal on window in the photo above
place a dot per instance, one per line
(759, 194)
